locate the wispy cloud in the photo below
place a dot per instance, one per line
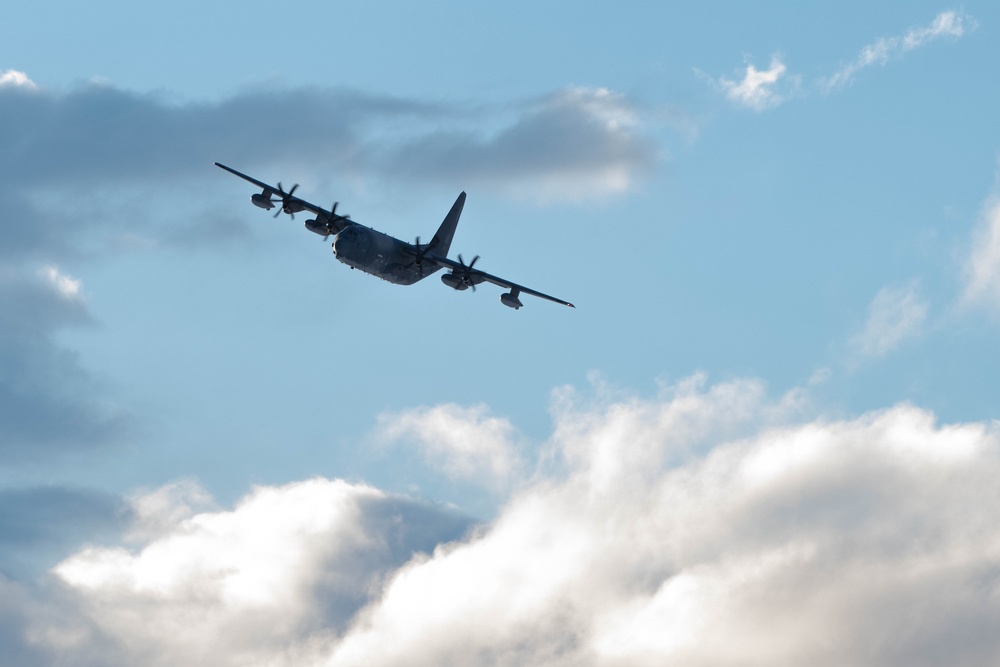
(758, 89)
(763, 89)
(982, 265)
(897, 313)
(946, 24)
(639, 549)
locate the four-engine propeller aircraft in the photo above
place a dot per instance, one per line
(387, 257)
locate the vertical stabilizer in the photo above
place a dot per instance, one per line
(441, 242)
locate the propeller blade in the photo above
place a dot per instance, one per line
(286, 198)
(467, 271)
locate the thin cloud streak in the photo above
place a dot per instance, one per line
(897, 313)
(760, 90)
(982, 265)
(946, 24)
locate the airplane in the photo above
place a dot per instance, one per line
(385, 256)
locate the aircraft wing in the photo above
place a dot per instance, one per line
(476, 276)
(337, 222)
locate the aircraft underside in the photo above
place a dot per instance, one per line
(380, 255)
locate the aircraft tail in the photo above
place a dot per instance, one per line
(441, 242)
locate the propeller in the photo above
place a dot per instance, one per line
(286, 199)
(418, 255)
(333, 216)
(467, 271)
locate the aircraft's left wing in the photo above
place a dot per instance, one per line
(476, 276)
(336, 222)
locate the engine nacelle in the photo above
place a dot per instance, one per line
(262, 201)
(317, 227)
(510, 299)
(454, 281)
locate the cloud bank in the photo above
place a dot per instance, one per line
(572, 143)
(705, 526)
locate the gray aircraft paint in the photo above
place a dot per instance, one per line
(385, 256)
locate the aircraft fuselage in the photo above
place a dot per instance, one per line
(380, 255)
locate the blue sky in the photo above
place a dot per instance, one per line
(779, 225)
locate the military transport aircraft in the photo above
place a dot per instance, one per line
(384, 256)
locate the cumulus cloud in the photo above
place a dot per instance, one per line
(12, 77)
(466, 443)
(982, 266)
(946, 24)
(815, 543)
(896, 314)
(275, 580)
(758, 90)
(660, 525)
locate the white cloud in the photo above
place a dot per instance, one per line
(15, 79)
(466, 443)
(156, 512)
(758, 88)
(896, 314)
(269, 582)
(706, 512)
(945, 24)
(819, 530)
(64, 285)
(982, 267)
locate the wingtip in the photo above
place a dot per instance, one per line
(571, 305)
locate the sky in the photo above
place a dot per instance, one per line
(771, 417)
